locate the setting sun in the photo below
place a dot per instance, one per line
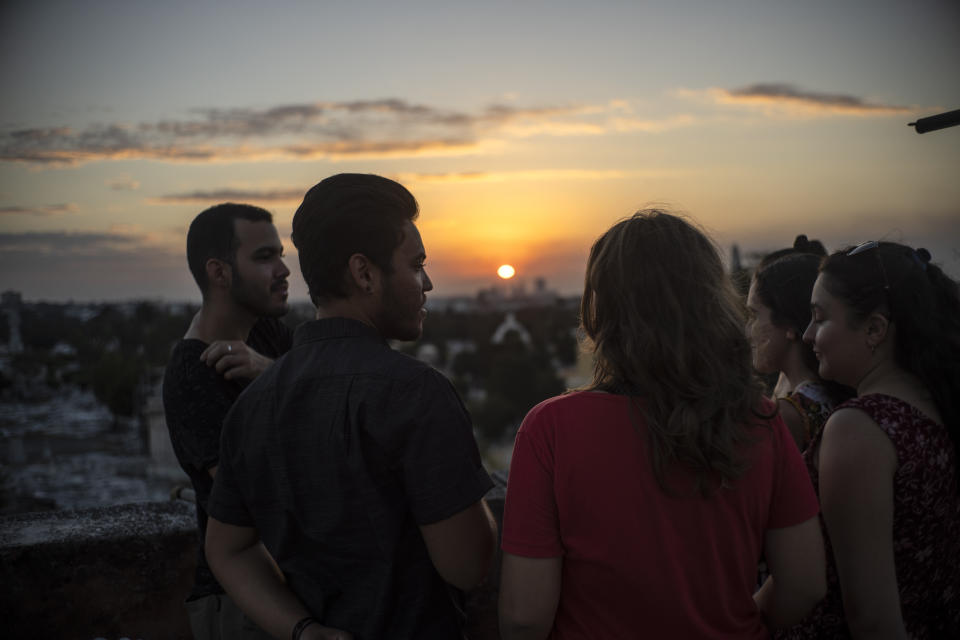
(506, 271)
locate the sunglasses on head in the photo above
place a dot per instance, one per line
(867, 246)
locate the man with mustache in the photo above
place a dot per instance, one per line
(235, 256)
(354, 464)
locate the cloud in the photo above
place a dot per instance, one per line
(122, 183)
(351, 129)
(526, 130)
(122, 263)
(536, 175)
(787, 99)
(68, 243)
(513, 176)
(653, 126)
(62, 265)
(359, 149)
(232, 195)
(40, 210)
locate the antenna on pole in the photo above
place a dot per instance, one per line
(939, 121)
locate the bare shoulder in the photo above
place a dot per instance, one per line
(853, 439)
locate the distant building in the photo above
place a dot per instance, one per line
(456, 346)
(163, 460)
(581, 373)
(64, 350)
(500, 298)
(510, 323)
(459, 304)
(429, 353)
(12, 303)
(735, 264)
(82, 312)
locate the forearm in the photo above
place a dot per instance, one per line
(529, 596)
(876, 628)
(512, 630)
(777, 608)
(798, 573)
(253, 580)
(251, 577)
(870, 616)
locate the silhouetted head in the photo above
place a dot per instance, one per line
(212, 234)
(667, 326)
(657, 296)
(783, 288)
(346, 214)
(801, 245)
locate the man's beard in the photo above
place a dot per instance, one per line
(256, 305)
(397, 321)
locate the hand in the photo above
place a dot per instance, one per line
(235, 359)
(319, 632)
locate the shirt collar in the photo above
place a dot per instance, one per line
(328, 328)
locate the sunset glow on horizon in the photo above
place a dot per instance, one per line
(522, 138)
(506, 271)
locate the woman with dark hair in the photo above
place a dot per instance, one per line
(639, 505)
(778, 308)
(887, 322)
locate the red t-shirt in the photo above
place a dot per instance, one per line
(635, 560)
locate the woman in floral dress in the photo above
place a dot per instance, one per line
(887, 322)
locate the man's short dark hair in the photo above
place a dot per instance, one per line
(212, 235)
(346, 214)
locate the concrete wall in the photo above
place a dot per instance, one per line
(111, 572)
(124, 571)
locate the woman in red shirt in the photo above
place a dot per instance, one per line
(640, 505)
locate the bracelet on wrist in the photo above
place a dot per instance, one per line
(300, 626)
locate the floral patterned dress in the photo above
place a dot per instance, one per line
(926, 527)
(814, 403)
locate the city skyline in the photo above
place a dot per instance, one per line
(523, 129)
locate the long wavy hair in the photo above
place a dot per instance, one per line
(922, 302)
(667, 328)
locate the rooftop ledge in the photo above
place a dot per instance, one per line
(124, 571)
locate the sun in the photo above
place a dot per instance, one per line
(506, 271)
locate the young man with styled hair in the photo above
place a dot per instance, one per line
(235, 256)
(354, 464)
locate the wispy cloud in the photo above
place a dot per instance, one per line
(540, 175)
(125, 239)
(67, 242)
(122, 183)
(789, 100)
(106, 265)
(652, 125)
(352, 129)
(41, 210)
(232, 195)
